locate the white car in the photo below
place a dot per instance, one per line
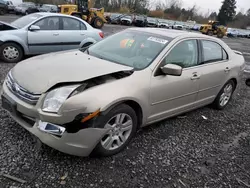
(126, 20)
(45, 32)
(178, 27)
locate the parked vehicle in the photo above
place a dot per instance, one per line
(232, 32)
(48, 8)
(26, 8)
(145, 76)
(126, 20)
(177, 26)
(140, 21)
(242, 34)
(196, 27)
(3, 7)
(44, 32)
(163, 24)
(214, 28)
(152, 22)
(10, 5)
(115, 18)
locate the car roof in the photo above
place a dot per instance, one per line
(170, 33)
(52, 14)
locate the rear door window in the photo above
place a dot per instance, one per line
(213, 52)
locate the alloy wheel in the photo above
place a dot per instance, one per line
(226, 95)
(120, 126)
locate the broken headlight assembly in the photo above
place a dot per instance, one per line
(55, 98)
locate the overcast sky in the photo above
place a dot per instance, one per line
(214, 5)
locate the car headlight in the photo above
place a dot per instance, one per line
(55, 98)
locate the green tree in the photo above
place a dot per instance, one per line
(227, 11)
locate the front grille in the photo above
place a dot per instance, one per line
(20, 92)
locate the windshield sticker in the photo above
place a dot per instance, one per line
(158, 40)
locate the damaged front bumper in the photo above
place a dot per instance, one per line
(80, 142)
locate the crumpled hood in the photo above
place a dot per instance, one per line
(40, 73)
(6, 26)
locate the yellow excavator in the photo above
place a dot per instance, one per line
(84, 9)
(213, 28)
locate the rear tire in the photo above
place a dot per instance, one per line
(224, 96)
(120, 134)
(11, 52)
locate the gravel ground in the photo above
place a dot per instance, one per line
(204, 148)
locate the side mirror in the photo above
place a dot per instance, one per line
(171, 69)
(34, 28)
(248, 82)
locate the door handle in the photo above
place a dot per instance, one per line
(55, 34)
(82, 34)
(195, 76)
(227, 69)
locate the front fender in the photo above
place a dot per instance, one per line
(87, 40)
(13, 38)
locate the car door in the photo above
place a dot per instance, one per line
(171, 95)
(215, 70)
(48, 38)
(74, 31)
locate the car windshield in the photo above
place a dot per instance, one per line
(152, 19)
(131, 48)
(128, 17)
(25, 20)
(139, 18)
(115, 15)
(48, 6)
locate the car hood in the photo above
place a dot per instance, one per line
(6, 26)
(38, 74)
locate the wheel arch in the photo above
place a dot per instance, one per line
(16, 40)
(235, 82)
(87, 40)
(134, 105)
(17, 43)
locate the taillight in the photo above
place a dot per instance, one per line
(101, 34)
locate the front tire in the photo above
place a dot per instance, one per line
(98, 23)
(122, 122)
(210, 33)
(224, 96)
(220, 35)
(11, 52)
